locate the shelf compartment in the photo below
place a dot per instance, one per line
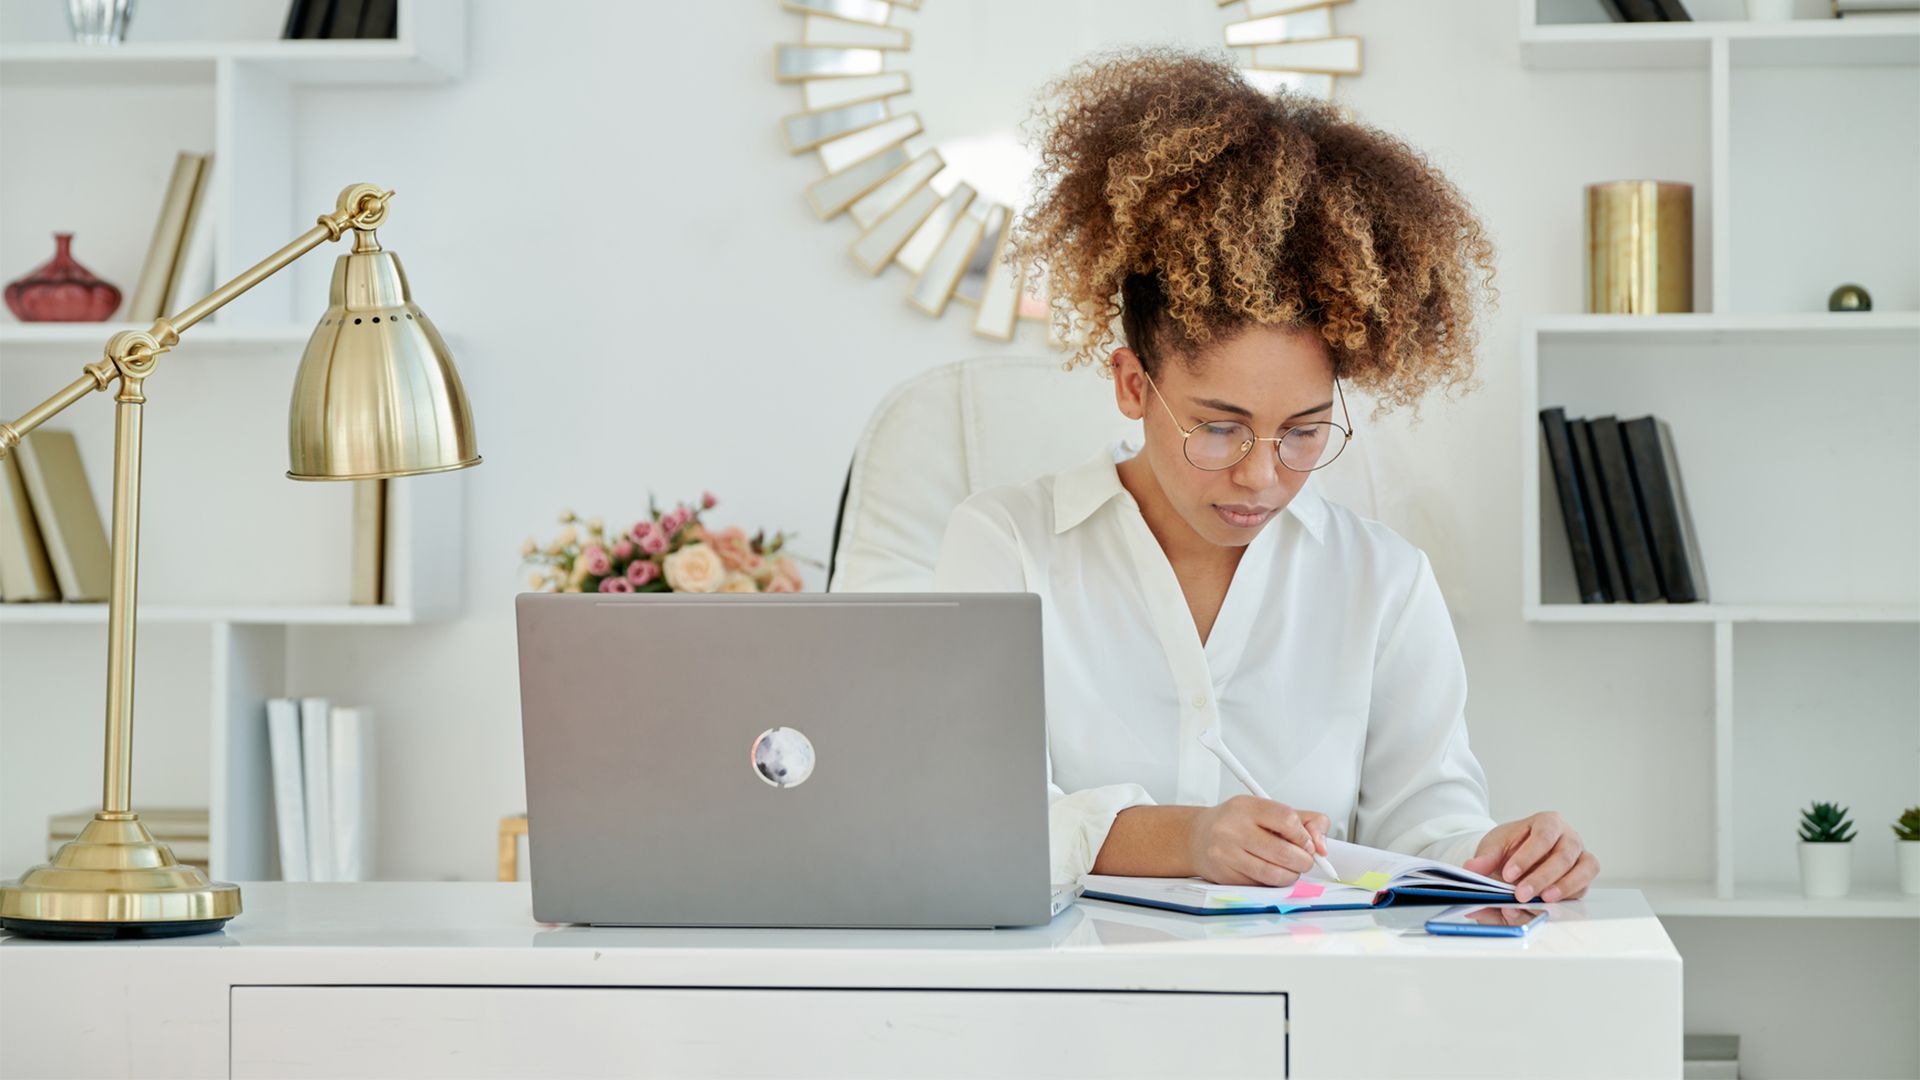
(1789, 531)
(1793, 43)
(431, 47)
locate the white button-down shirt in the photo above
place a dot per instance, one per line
(1332, 668)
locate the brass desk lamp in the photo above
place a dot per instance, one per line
(376, 396)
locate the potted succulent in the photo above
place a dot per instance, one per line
(1826, 860)
(1908, 830)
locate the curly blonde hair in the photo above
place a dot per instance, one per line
(1176, 196)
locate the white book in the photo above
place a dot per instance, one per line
(315, 745)
(352, 768)
(289, 793)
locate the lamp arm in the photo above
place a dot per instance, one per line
(130, 354)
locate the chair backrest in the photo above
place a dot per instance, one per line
(957, 429)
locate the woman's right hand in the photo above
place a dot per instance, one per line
(1253, 841)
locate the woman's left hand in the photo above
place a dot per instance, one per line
(1541, 855)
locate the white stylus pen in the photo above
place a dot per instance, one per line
(1210, 739)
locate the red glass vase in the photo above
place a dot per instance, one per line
(61, 290)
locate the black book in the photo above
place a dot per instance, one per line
(1674, 11)
(345, 20)
(308, 18)
(1573, 504)
(380, 19)
(1654, 477)
(1599, 522)
(1640, 10)
(1612, 8)
(1629, 530)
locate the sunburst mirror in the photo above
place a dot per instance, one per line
(913, 109)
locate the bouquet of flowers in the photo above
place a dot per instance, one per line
(664, 552)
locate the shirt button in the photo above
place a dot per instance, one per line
(1199, 701)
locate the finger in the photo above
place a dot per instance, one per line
(1566, 852)
(1492, 848)
(1263, 872)
(1574, 884)
(1541, 836)
(1498, 845)
(1317, 823)
(1265, 846)
(1283, 821)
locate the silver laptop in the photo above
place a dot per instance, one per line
(848, 759)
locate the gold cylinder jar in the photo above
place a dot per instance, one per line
(1639, 247)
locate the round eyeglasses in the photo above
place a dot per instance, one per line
(1214, 445)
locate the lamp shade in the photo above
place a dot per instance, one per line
(377, 394)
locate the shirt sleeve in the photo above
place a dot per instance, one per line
(1422, 792)
(980, 553)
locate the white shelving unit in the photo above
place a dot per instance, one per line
(228, 544)
(1794, 428)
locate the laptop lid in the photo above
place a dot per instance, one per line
(851, 759)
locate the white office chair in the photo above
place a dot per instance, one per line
(943, 435)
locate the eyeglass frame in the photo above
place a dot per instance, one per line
(1186, 433)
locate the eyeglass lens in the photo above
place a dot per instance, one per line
(1221, 445)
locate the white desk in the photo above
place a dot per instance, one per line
(456, 979)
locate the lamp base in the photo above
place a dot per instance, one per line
(115, 881)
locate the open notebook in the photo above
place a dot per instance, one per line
(1368, 877)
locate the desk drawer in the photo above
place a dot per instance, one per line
(494, 1031)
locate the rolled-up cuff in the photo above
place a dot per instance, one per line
(1078, 823)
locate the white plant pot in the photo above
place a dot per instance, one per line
(1826, 869)
(1769, 10)
(1909, 866)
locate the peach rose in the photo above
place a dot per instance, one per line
(738, 582)
(695, 568)
(786, 576)
(732, 547)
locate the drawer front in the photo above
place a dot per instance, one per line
(492, 1031)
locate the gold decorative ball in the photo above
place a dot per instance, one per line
(1849, 298)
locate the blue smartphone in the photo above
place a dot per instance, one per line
(1487, 921)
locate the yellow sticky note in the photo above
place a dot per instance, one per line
(1227, 898)
(1372, 879)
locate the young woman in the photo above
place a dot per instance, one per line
(1260, 253)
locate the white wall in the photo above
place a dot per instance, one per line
(602, 213)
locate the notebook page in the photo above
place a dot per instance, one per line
(1376, 868)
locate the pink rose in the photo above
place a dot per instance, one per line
(640, 530)
(642, 572)
(616, 584)
(623, 548)
(786, 576)
(707, 501)
(732, 547)
(695, 568)
(674, 518)
(654, 543)
(596, 560)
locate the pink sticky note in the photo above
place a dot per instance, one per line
(1305, 890)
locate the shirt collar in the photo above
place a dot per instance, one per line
(1087, 487)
